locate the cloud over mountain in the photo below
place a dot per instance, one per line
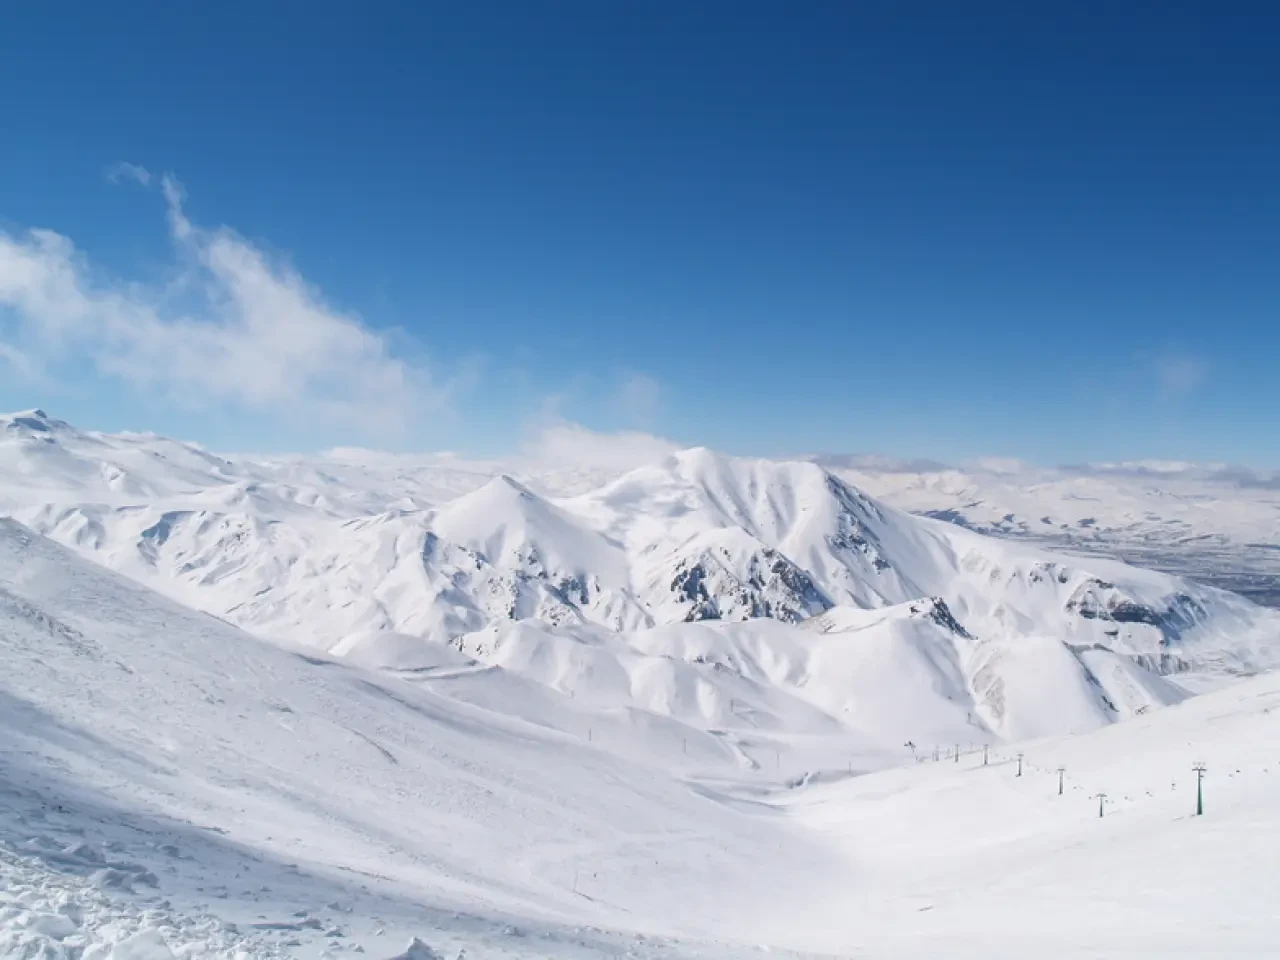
(232, 325)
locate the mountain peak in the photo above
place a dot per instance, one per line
(34, 420)
(504, 486)
(697, 458)
(510, 481)
(499, 502)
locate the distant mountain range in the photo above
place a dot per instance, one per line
(1216, 524)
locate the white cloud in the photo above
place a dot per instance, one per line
(563, 444)
(1170, 470)
(637, 398)
(1002, 466)
(250, 330)
(878, 463)
(18, 363)
(1150, 467)
(128, 171)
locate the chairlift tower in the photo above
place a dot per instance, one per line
(1199, 768)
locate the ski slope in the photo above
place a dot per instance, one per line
(975, 861)
(170, 786)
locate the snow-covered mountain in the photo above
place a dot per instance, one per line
(165, 777)
(821, 597)
(1216, 524)
(173, 787)
(534, 712)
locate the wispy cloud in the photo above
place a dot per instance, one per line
(1168, 473)
(19, 364)
(878, 463)
(1144, 468)
(1000, 466)
(1181, 470)
(1178, 374)
(237, 327)
(119, 172)
(565, 444)
(637, 399)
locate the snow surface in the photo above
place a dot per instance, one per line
(170, 786)
(229, 788)
(687, 710)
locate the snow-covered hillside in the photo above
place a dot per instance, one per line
(829, 607)
(965, 860)
(153, 749)
(172, 787)
(1213, 523)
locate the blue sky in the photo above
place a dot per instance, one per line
(1049, 231)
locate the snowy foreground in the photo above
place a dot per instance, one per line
(170, 785)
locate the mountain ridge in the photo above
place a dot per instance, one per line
(350, 561)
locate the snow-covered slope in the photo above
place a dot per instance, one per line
(761, 530)
(966, 860)
(392, 566)
(873, 680)
(152, 749)
(170, 786)
(1213, 523)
